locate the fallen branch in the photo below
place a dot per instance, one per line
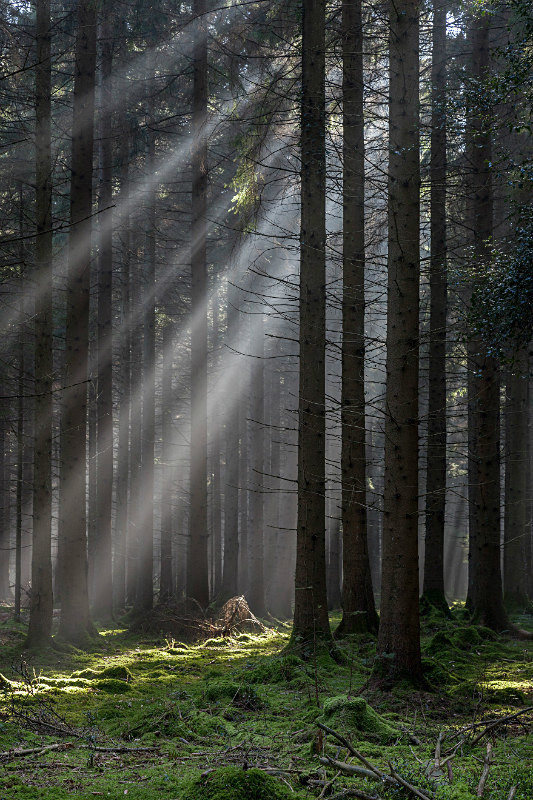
(361, 772)
(487, 761)
(119, 749)
(29, 751)
(489, 725)
(409, 786)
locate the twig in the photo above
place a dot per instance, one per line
(409, 786)
(487, 761)
(328, 784)
(512, 793)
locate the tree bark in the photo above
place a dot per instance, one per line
(398, 649)
(231, 474)
(197, 564)
(256, 593)
(433, 590)
(144, 593)
(102, 603)
(124, 381)
(485, 582)
(310, 606)
(41, 598)
(358, 608)
(516, 532)
(166, 582)
(75, 622)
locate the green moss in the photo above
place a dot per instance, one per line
(504, 696)
(234, 783)
(241, 695)
(466, 638)
(437, 674)
(276, 670)
(354, 714)
(118, 672)
(112, 686)
(439, 643)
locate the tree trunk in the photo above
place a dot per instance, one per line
(166, 585)
(359, 612)
(216, 438)
(311, 606)
(75, 621)
(197, 564)
(102, 597)
(433, 590)
(5, 543)
(144, 595)
(516, 531)
(231, 473)
(256, 593)
(485, 583)
(124, 380)
(41, 598)
(398, 649)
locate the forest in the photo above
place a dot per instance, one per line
(266, 288)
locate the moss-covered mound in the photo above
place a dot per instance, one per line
(234, 783)
(439, 643)
(354, 714)
(118, 673)
(240, 695)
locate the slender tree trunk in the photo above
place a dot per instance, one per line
(516, 532)
(144, 597)
(398, 649)
(197, 564)
(166, 585)
(433, 590)
(485, 583)
(41, 597)
(5, 543)
(311, 606)
(244, 375)
(135, 515)
(102, 602)
(359, 612)
(75, 622)
(124, 379)
(256, 593)
(231, 473)
(216, 438)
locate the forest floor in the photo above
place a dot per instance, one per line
(237, 718)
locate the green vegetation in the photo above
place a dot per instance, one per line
(237, 718)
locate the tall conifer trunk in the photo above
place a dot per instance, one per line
(102, 591)
(75, 621)
(516, 533)
(359, 612)
(197, 563)
(398, 649)
(436, 446)
(485, 582)
(310, 605)
(41, 599)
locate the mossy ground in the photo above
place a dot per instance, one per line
(142, 718)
